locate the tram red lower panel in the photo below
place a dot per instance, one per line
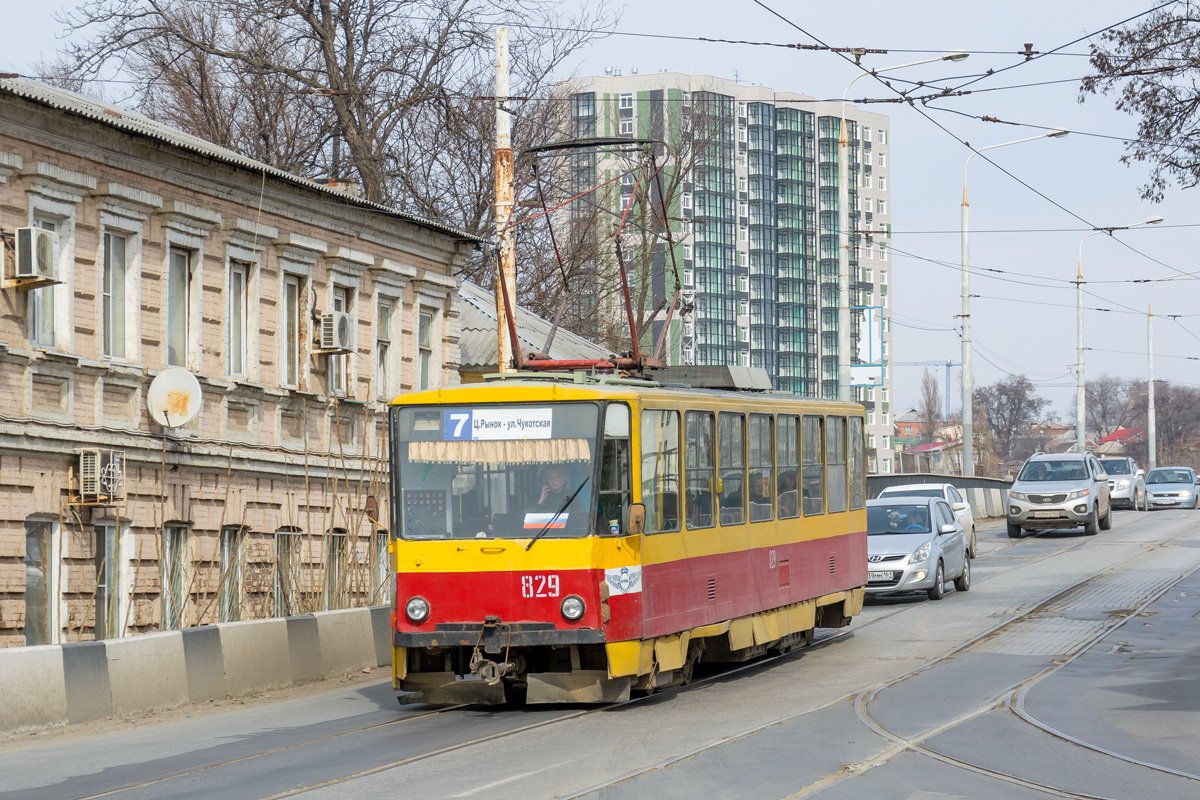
(688, 593)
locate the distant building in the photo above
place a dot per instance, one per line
(758, 245)
(301, 310)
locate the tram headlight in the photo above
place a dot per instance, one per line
(572, 608)
(417, 609)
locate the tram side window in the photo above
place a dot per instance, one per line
(813, 475)
(699, 467)
(660, 469)
(762, 463)
(858, 475)
(613, 501)
(835, 463)
(731, 475)
(787, 448)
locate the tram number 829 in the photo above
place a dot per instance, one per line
(539, 586)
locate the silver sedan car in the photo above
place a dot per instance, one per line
(913, 545)
(1172, 487)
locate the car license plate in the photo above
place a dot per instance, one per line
(1046, 514)
(879, 576)
(1166, 502)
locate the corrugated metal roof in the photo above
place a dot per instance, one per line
(477, 343)
(144, 126)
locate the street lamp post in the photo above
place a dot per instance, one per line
(1151, 441)
(844, 225)
(968, 387)
(1080, 386)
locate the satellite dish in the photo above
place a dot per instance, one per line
(174, 398)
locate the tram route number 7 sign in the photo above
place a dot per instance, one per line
(492, 424)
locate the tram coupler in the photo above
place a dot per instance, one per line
(491, 671)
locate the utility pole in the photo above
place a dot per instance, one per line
(506, 263)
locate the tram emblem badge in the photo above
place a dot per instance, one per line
(625, 580)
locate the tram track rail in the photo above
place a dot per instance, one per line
(821, 641)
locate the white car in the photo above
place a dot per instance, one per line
(942, 491)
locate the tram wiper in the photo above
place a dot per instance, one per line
(561, 509)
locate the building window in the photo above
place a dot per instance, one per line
(743, 233)
(174, 576)
(883, 251)
(41, 301)
(882, 183)
(741, 183)
(866, 179)
(688, 280)
(743, 307)
(882, 159)
(179, 285)
(743, 283)
(881, 206)
(229, 598)
(107, 555)
(866, 133)
(339, 366)
(288, 597)
(291, 329)
(625, 101)
(41, 591)
(238, 278)
(383, 351)
(626, 127)
(337, 573)
(882, 136)
(381, 587)
(112, 304)
(425, 349)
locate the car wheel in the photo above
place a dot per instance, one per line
(1106, 520)
(1014, 531)
(1137, 507)
(963, 582)
(1092, 526)
(974, 544)
(938, 590)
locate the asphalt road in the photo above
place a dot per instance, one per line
(1068, 670)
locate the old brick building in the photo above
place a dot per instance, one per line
(168, 251)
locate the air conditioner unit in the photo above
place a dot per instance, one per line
(35, 254)
(101, 476)
(337, 332)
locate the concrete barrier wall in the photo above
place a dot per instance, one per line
(81, 681)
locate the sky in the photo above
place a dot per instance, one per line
(1024, 248)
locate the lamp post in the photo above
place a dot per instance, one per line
(843, 316)
(1150, 430)
(968, 386)
(1080, 388)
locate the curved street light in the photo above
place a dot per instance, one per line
(1080, 388)
(843, 316)
(968, 386)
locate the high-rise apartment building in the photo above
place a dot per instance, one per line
(757, 223)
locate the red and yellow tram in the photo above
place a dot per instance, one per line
(573, 538)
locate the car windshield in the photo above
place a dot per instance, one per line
(897, 518)
(1053, 471)
(491, 471)
(1116, 466)
(1170, 476)
(911, 493)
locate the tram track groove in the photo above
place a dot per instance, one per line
(934, 661)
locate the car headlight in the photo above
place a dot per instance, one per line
(417, 609)
(1079, 493)
(1185, 493)
(1016, 495)
(572, 608)
(920, 554)
(1123, 482)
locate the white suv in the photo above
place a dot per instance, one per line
(1062, 490)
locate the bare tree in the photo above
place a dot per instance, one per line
(1176, 421)
(392, 93)
(1108, 404)
(1152, 67)
(1009, 405)
(929, 406)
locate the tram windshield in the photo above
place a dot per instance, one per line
(496, 472)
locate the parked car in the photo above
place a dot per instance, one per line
(913, 545)
(962, 509)
(1172, 487)
(1126, 483)
(1060, 490)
